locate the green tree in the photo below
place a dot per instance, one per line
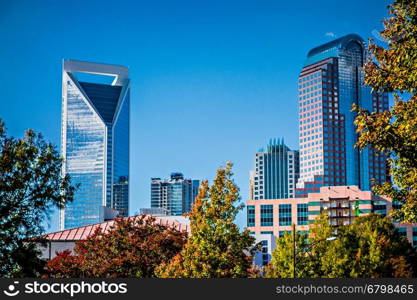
(216, 247)
(369, 247)
(320, 246)
(282, 262)
(132, 247)
(309, 251)
(393, 69)
(30, 186)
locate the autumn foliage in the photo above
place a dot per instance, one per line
(216, 247)
(31, 184)
(370, 247)
(133, 247)
(393, 69)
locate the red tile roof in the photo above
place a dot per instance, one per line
(82, 233)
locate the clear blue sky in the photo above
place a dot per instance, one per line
(211, 80)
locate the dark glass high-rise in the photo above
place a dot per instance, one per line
(329, 83)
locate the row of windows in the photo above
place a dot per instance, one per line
(311, 113)
(312, 76)
(310, 101)
(310, 95)
(284, 215)
(306, 132)
(308, 120)
(316, 84)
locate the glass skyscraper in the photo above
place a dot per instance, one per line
(175, 195)
(330, 82)
(276, 172)
(95, 141)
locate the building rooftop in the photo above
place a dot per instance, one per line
(330, 49)
(82, 233)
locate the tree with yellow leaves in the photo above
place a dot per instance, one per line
(394, 69)
(216, 247)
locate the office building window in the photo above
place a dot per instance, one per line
(284, 214)
(266, 215)
(302, 214)
(265, 256)
(251, 215)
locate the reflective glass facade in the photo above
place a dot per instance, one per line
(95, 145)
(330, 82)
(121, 158)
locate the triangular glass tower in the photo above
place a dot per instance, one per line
(95, 142)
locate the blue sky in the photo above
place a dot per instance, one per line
(211, 80)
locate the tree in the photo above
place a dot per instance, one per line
(369, 247)
(30, 185)
(393, 69)
(132, 247)
(64, 265)
(216, 247)
(309, 250)
(282, 262)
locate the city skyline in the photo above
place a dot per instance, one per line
(213, 87)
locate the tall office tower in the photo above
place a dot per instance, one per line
(276, 172)
(175, 195)
(95, 141)
(330, 82)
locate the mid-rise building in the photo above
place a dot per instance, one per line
(343, 204)
(276, 172)
(175, 195)
(329, 83)
(95, 142)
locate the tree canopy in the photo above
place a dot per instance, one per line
(369, 247)
(31, 184)
(133, 247)
(216, 247)
(394, 69)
